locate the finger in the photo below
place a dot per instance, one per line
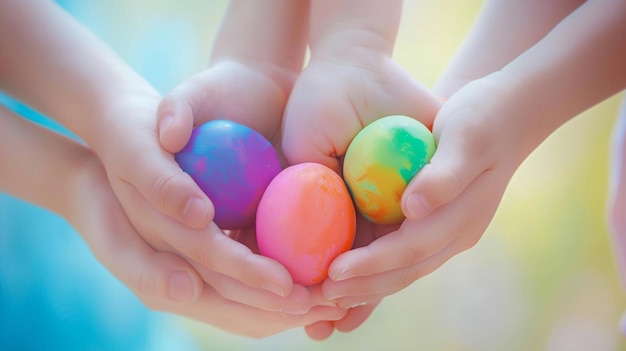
(228, 90)
(153, 277)
(313, 106)
(161, 181)
(299, 301)
(462, 155)
(357, 316)
(467, 217)
(320, 331)
(175, 115)
(361, 290)
(211, 249)
(241, 319)
(114, 242)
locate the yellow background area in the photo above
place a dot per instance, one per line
(543, 275)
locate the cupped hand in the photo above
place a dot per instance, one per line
(330, 103)
(162, 280)
(481, 141)
(207, 248)
(248, 94)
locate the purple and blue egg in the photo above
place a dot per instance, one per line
(233, 165)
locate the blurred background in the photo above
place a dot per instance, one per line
(543, 275)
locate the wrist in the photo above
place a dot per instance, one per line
(354, 31)
(354, 47)
(283, 77)
(117, 111)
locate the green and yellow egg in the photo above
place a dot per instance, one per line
(381, 161)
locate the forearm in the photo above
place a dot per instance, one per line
(354, 31)
(38, 165)
(581, 62)
(503, 30)
(54, 64)
(270, 34)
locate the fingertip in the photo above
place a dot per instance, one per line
(320, 331)
(285, 285)
(356, 317)
(435, 185)
(175, 122)
(184, 286)
(198, 212)
(416, 206)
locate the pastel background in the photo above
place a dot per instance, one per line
(541, 278)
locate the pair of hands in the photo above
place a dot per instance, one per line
(222, 280)
(194, 269)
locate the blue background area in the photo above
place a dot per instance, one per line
(54, 295)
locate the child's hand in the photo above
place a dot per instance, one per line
(164, 281)
(479, 147)
(67, 178)
(247, 94)
(220, 260)
(349, 82)
(484, 132)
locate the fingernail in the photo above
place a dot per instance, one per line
(195, 212)
(417, 206)
(328, 303)
(182, 287)
(166, 122)
(294, 310)
(358, 304)
(333, 296)
(342, 275)
(273, 288)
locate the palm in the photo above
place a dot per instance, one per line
(329, 105)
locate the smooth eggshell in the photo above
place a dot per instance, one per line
(305, 219)
(380, 162)
(233, 165)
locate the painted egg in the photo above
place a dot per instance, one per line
(381, 161)
(233, 165)
(305, 219)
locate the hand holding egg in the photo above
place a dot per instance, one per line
(381, 161)
(232, 164)
(304, 214)
(305, 219)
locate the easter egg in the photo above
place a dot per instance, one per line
(380, 162)
(232, 164)
(305, 219)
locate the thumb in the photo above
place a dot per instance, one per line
(461, 156)
(317, 129)
(176, 115)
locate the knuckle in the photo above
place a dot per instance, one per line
(451, 182)
(469, 242)
(411, 254)
(203, 255)
(144, 286)
(163, 188)
(410, 276)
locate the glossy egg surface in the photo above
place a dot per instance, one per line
(305, 219)
(381, 160)
(233, 165)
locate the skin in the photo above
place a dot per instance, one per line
(247, 81)
(68, 179)
(504, 100)
(113, 109)
(350, 81)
